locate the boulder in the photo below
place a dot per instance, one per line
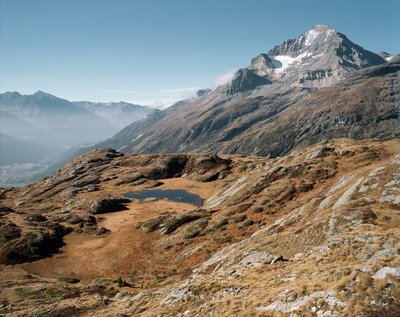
(175, 222)
(108, 205)
(92, 188)
(196, 229)
(89, 180)
(75, 219)
(151, 225)
(5, 210)
(9, 231)
(383, 272)
(171, 166)
(220, 224)
(130, 179)
(152, 184)
(33, 245)
(36, 218)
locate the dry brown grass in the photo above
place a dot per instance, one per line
(155, 260)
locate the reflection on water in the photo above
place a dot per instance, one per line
(179, 195)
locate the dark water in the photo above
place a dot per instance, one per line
(179, 195)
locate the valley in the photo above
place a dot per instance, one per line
(39, 133)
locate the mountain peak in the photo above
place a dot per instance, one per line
(319, 57)
(322, 28)
(11, 93)
(317, 32)
(41, 93)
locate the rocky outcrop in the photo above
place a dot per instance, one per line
(170, 166)
(106, 205)
(245, 80)
(5, 210)
(18, 247)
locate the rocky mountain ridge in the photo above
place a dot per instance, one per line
(119, 114)
(318, 58)
(273, 120)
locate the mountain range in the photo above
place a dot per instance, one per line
(61, 122)
(281, 197)
(305, 90)
(119, 114)
(43, 130)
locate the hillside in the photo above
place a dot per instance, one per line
(314, 232)
(316, 87)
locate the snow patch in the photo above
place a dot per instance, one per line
(284, 62)
(310, 37)
(138, 137)
(121, 148)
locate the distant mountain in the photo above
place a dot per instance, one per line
(128, 136)
(278, 103)
(119, 114)
(64, 122)
(33, 107)
(18, 128)
(47, 118)
(40, 128)
(15, 150)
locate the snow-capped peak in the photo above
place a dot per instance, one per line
(317, 58)
(323, 28)
(316, 32)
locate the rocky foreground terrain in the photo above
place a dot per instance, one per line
(313, 233)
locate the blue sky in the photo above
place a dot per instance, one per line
(157, 51)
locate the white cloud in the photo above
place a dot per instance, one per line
(161, 98)
(180, 93)
(161, 103)
(224, 79)
(179, 90)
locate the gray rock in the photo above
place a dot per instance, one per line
(108, 205)
(384, 271)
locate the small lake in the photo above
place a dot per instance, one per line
(178, 195)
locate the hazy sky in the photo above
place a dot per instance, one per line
(157, 51)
